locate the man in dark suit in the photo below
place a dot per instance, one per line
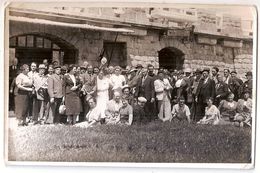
(206, 89)
(247, 85)
(221, 90)
(56, 94)
(235, 85)
(145, 88)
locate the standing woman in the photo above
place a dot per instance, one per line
(24, 85)
(72, 86)
(102, 87)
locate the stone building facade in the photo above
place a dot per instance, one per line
(161, 44)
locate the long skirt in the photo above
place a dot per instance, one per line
(164, 107)
(21, 105)
(102, 99)
(73, 104)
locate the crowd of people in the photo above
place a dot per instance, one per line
(86, 95)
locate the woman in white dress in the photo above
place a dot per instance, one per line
(102, 88)
(212, 114)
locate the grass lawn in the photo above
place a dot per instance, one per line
(154, 142)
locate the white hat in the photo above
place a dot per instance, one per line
(125, 86)
(142, 99)
(41, 66)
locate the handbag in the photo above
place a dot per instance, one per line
(43, 92)
(62, 108)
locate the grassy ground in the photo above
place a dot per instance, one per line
(155, 142)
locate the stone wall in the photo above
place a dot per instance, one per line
(143, 49)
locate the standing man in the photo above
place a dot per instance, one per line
(150, 68)
(235, 85)
(145, 88)
(194, 87)
(32, 98)
(221, 90)
(56, 93)
(227, 78)
(206, 88)
(214, 73)
(247, 86)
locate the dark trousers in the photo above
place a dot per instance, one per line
(32, 99)
(150, 111)
(54, 111)
(200, 110)
(85, 109)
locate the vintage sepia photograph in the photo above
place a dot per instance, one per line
(130, 83)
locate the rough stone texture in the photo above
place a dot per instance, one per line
(144, 49)
(228, 43)
(206, 40)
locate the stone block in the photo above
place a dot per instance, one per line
(232, 43)
(206, 40)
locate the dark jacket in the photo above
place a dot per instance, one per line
(246, 86)
(205, 90)
(147, 89)
(222, 90)
(138, 115)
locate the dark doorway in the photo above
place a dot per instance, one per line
(171, 58)
(25, 55)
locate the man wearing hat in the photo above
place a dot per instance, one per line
(145, 88)
(194, 86)
(206, 89)
(235, 85)
(40, 103)
(126, 90)
(139, 112)
(247, 85)
(132, 78)
(189, 80)
(64, 70)
(56, 94)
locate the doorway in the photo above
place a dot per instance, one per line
(171, 58)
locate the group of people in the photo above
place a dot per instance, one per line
(134, 95)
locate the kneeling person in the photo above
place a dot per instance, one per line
(126, 112)
(93, 116)
(139, 112)
(181, 111)
(112, 109)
